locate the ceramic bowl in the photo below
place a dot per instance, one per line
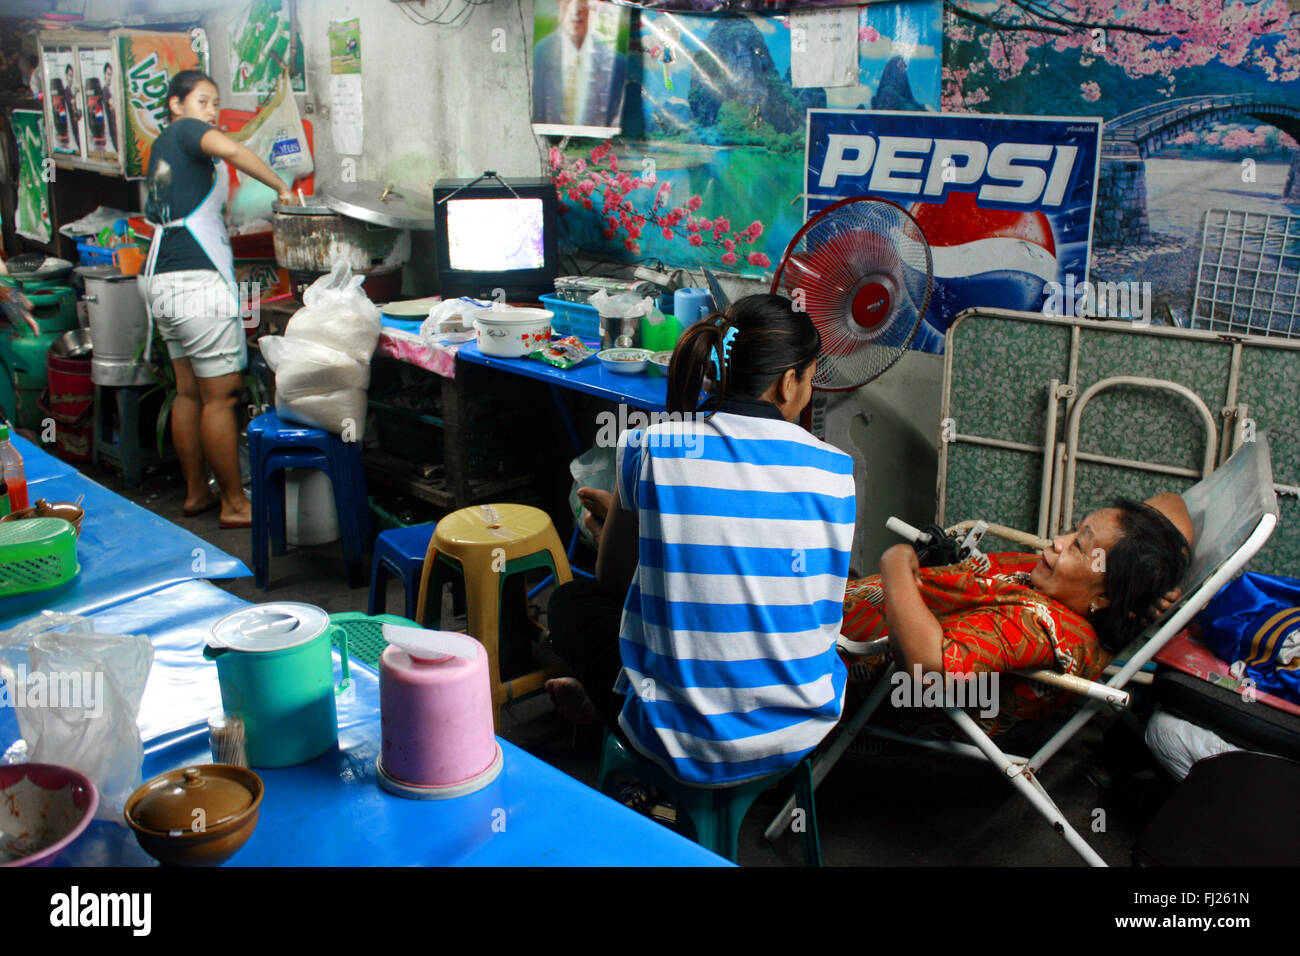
(512, 333)
(196, 816)
(625, 361)
(43, 808)
(660, 361)
(45, 509)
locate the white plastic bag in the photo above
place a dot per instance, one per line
(342, 411)
(77, 696)
(306, 366)
(594, 468)
(452, 320)
(337, 313)
(281, 143)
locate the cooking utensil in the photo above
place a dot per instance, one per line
(380, 203)
(118, 327)
(196, 816)
(720, 300)
(512, 333)
(69, 512)
(277, 674)
(436, 715)
(75, 343)
(43, 808)
(311, 237)
(625, 361)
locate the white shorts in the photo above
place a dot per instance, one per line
(198, 317)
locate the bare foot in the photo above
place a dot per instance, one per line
(237, 517)
(571, 700)
(198, 504)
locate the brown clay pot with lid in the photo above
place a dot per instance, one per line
(196, 816)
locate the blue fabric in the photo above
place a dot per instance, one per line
(1250, 620)
(124, 551)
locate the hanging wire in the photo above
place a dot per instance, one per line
(462, 14)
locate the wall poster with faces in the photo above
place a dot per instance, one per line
(61, 82)
(101, 109)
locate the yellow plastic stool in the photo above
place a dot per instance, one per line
(484, 545)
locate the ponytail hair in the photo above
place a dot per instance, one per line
(743, 351)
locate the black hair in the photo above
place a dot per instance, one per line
(771, 337)
(182, 85)
(1148, 561)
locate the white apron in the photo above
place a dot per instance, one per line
(208, 228)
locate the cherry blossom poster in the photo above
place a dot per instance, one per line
(1201, 102)
(709, 169)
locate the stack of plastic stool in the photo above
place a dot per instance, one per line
(400, 552)
(485, 546)
(273, 446)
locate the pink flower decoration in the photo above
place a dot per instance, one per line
(1090, 91)
(555, 158)
(729, 258)
(575, 195)
(693, 225)
(755, 229)
(613, 162)
(759, 259)
(580, 166)
(697, 240)
(706, 225)
(722, 222)
(694, 203)
(588, 204)
(729, 245)
(668, 233)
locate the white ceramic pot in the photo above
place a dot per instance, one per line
(512, 333)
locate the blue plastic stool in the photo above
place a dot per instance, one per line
(273, 446)
(715, 813)
(399, 552)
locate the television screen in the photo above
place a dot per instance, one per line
(494, 235)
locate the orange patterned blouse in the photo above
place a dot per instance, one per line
(992, 620)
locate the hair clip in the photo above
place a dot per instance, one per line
(726, 353)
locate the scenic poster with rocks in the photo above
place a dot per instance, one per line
(709, 169)
(1202, 109)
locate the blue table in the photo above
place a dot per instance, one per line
(644, 390)
(329, 811)
(124, 550)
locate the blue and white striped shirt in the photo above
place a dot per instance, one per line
(728, 633)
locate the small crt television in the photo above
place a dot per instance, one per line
(488, 236)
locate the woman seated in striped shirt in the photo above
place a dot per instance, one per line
(729, 532)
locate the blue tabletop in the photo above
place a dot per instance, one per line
(330, 811)
(124, 550)
(644, 390)
(39, 463)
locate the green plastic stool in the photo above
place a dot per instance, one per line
(366, 634)
(715, 813)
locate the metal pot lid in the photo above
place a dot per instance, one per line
(104, 273)
(310, 206)
(269, 627)
(384, 204)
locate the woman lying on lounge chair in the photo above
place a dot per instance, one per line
(1069, 608)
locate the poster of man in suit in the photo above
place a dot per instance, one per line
(579, 67)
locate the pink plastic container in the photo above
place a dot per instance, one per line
(435, 714)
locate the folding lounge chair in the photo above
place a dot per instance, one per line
(1233, 513)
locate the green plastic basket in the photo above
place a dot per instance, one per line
(366, 634)
(36, 554)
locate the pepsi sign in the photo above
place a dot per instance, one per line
(1005, 202)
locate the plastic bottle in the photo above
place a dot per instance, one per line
(15, 477)
(4, 493)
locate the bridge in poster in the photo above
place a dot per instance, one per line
(1127, 140)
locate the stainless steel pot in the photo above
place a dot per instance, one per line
(312, 237)
(118, 326)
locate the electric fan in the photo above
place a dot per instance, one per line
(861, 270)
